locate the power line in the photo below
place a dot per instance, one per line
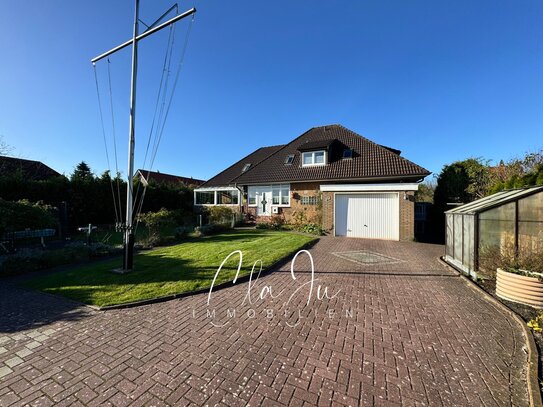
(114, 135)
(105, 143)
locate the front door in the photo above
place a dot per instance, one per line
(263, 204)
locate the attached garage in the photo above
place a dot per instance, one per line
(371, 211)
(368, 215)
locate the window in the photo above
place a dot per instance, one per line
(246, 167)
(216, 197)
(309, 200)
(205, 198)
(313, 158)
(285, 194)
(280, 194)
(347, 153)
(276, 196)
(252, 196)
(289, 159)
(319, 157)
(229, 197)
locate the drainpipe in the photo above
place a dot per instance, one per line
(240, 200)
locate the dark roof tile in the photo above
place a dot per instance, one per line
(29, 169)
(369, 161)
(227, 176)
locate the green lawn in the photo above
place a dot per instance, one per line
(175, 269)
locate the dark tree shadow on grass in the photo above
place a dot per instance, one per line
(21, 307)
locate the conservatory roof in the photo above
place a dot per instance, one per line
(494, 200)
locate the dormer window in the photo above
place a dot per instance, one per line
(289, 159)
(246, 167)
(313, 158)
(347, 153)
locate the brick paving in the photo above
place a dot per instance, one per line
(405, 331)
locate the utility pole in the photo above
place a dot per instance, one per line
(128, 230)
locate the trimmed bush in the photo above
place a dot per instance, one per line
(26, 260)
(24, 215)
(219, 214)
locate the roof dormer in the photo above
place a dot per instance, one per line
(315, 153)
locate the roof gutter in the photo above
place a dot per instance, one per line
(342, 180)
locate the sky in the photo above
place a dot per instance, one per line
(440, 80)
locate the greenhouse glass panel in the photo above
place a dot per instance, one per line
(530, 236)
(458, 237)
(468, 242)
(530, 226)
(450, 239)
(531, 208)
(497, 226)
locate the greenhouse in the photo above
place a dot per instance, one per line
(511, 219)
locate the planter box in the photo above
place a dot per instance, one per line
(519, 288)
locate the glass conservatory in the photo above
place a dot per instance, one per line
(512, 218)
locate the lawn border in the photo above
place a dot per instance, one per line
(534, 392)
(217, 287)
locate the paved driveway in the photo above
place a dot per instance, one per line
(398, 329)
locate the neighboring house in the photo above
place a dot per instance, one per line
(330, 175)
(28, 169)
(159, 177)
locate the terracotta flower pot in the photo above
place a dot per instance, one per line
(519, 288)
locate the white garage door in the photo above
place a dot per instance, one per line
(369, 215)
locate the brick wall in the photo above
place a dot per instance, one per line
(328, 212)
(297, 191)
(407, 216)
(326, 217)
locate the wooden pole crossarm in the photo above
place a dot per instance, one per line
(145, 34)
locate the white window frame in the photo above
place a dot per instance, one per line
(268, 189)
(215, 197)
(312, 154)
(253, 191)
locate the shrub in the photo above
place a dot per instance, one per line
(23, 215)
(181, 232)
(263, 225)
(155, 221)
(277, 222)
(312, 228)
(211, 229)
(219, 214)
(26, 260)
(505, 258)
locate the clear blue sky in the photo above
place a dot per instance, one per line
(439, 80)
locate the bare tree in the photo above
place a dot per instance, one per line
(5, 148)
